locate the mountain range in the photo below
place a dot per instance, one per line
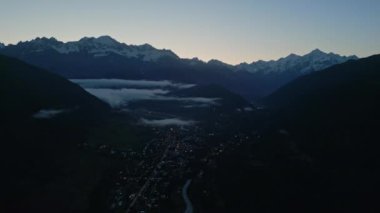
(104, 57)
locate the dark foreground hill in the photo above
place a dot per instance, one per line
(333, 117)
(44, 119)
(335, 111)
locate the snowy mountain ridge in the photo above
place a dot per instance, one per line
(97, 47)
(313, 61)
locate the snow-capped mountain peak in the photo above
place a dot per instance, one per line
(317, 52)
(101, 40)
(313, 61)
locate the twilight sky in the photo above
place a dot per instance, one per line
(229, 30)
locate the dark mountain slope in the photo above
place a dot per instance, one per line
(316, 148)
(334, 111)
(42, 167)
(25, 89)
(331, 120)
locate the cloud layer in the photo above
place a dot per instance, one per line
(121, 83)
(167, 122)
(120, 97)
(48, 113)
(119, 92)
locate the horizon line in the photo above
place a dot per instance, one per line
(186, 58)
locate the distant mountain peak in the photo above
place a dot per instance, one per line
(146, 45)
(44, 41)
(219, 63)
(106, 40)
(106, 37)
(317, 51)
(84, 39)
(291, 56)
(2, 45)
(215, 61)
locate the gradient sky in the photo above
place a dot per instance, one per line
(229, 30)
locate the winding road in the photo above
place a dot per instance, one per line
(189, 205)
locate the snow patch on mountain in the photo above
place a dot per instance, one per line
(66, 49)
(167, 122)
(122, 83)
